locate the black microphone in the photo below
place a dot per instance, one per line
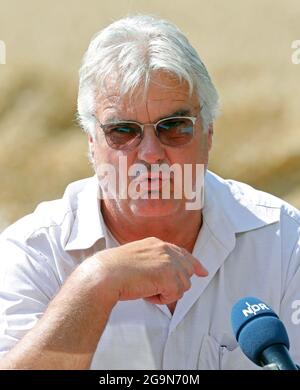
(260, 334)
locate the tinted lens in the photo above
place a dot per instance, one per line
(175, 131)
(123, 135)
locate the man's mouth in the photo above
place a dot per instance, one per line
(152, 181)
(152, 176)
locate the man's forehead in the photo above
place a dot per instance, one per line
(114, 101)
(118, 100)
(162, 85)
(160, 93)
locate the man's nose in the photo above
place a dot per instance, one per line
(150, 149)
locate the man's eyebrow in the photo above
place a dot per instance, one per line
(181, 112)
(114, 119)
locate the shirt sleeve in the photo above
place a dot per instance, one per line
(27, 284)
(290, 304)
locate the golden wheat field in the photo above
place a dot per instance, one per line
(246, 45)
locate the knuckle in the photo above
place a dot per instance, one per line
(163, 246)
(160, 245)
(167, 262)
(153, 240)
(184, 251)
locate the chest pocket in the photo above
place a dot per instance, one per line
(222, 353)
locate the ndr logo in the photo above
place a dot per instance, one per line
(253, 309)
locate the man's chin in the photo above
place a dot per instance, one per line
(154, 207)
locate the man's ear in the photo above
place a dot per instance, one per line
(91, 152)
(91, 144)
(210, 135)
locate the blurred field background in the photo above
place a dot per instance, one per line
(246, 45)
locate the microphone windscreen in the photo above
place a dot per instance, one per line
(256, 327)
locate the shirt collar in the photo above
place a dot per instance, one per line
(233, 207)
(88, 225)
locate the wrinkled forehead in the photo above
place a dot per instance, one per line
(162, 88)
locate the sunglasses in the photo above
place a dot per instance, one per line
(127, 135)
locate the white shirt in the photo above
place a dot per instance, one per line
(249, 242)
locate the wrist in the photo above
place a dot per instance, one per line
(99, 280)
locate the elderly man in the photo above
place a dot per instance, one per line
(106, 281)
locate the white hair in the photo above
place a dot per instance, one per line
(133, 48)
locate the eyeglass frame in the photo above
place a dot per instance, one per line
(154, 125)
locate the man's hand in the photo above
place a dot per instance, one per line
(152, 269)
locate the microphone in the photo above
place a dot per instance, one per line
(260, 334)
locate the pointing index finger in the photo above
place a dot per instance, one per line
(198, 268)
